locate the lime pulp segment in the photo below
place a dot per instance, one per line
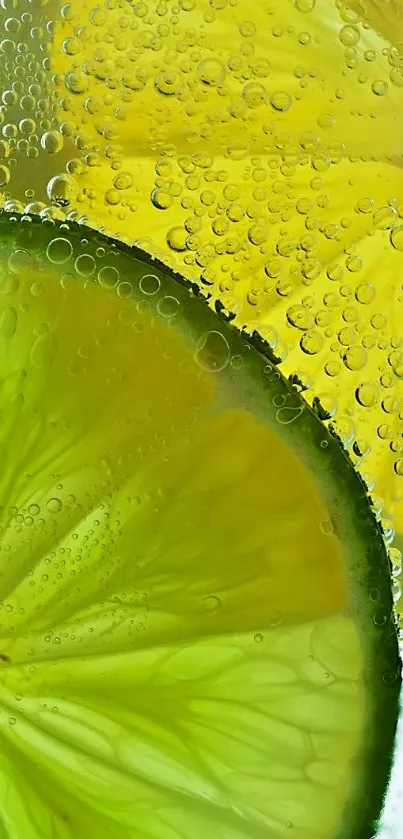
(196, 625)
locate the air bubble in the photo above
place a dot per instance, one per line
(390, 677)
(355, 358)
(108, 276)
(288, 414)
(52, 142)
(20, 262)
(365, 205)
(161, 199)
(379, 619)
(353, 263)
(281, 101)
(54, 505)
(176, 238)
(247, 29)
(390, 404)
(311, 342)
(305, 5)
(211, 603)
(346, 430)
(5, 175)
(62, 190)
(380, 87)
(326, 121)
(365, 293)
(76, 82)
(8, 323)
(124, 180)
(168, 306)
(254, 94)
(211, 72)
(85, 265)
(149, 284)
(395, 359)
(385, 218)
(367, 395)
(300, 317)
(326, 527)
(396, 238)
(167, 83)
(5, 149)
(125, 290)
(213, 352)
(349, 36)
(59, 250)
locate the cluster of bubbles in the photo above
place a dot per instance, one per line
(199, 130)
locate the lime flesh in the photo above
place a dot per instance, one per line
(196, 625)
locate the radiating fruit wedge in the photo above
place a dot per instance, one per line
(196, 627)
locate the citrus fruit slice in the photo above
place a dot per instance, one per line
(196, 626)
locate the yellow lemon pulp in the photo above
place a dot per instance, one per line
(385, 16)
(196, 631)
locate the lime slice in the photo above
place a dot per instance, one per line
(197, 633)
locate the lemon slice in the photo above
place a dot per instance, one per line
(196, 625)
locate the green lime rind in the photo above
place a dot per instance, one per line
(252, 378)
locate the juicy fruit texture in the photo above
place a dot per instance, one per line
(385, 16)
(197, 636)
(257, 147)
